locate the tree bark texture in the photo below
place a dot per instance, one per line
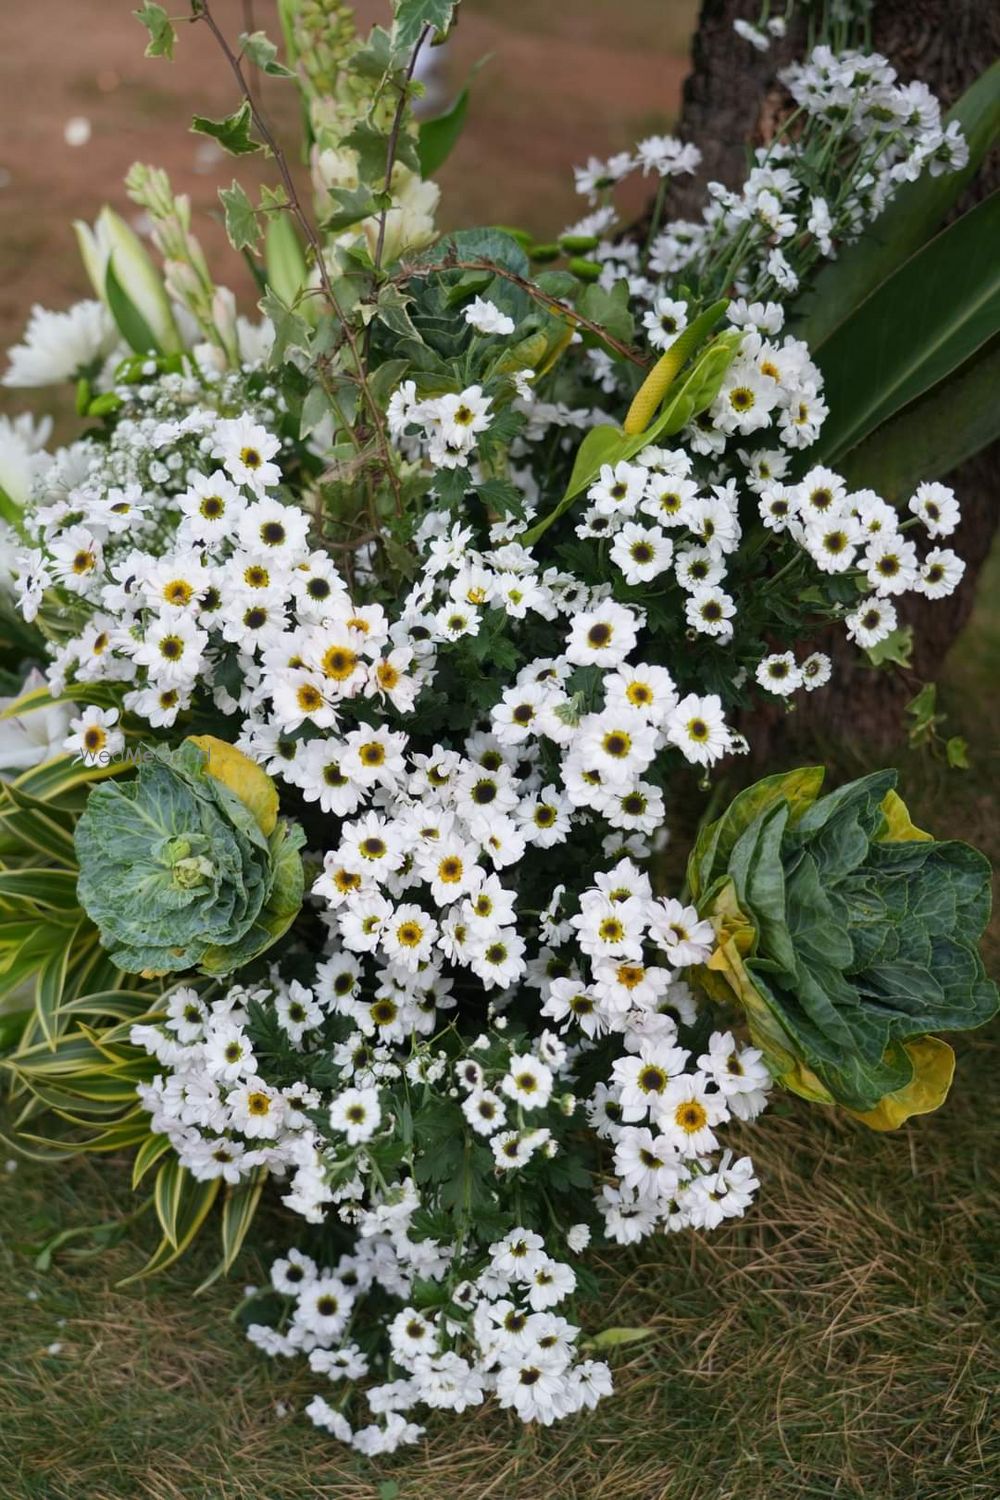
(732, 100)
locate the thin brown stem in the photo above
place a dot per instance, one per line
(201, 11)
(393, 145)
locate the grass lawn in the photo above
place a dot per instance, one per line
(835, 1343)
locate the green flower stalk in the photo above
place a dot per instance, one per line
(847, 936)
(187, 865)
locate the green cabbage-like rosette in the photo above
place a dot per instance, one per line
(848, 936)
(186, 865)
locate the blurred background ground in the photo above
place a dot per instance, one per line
(836, 1343)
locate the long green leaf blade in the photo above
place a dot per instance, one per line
(924, 322)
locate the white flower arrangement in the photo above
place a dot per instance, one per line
(393, 546)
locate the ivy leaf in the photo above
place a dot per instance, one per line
(232, 133)
(241, 220)
(162, 35)
(897, 647)
(354, 204)
(258, 47)
(413, 15)
(372, 147)
(290, 330)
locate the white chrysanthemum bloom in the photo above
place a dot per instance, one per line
(485, 317)
(61, 346)
(871, 622)
(779, 673)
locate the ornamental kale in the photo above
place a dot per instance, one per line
(847, 935)
(187, 865)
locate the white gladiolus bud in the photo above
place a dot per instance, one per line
(111, 243)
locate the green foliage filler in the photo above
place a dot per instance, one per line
(848, 935)
(177, 871)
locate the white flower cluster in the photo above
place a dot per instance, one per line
(800, 199)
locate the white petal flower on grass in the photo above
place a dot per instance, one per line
(646, 1163)
(94, 738)
(534, 1386)
(779, 674)
(357, 1113)
(323, 1308)
(485, 317)
(871, 622)
(688, 1111)
(549, 1283)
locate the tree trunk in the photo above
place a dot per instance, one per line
(732, 99)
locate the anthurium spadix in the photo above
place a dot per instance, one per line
(125, 278)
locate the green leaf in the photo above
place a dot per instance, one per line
(436, 138)
(237, 1215)
(147, 1156)
(50, 985)
(412, 16)
(934, 434)
(291, 331)
(131, 324)
(613, 1338)
(232, 133)
(196, 1203)
(897, 648)
(50, 888)
(913, 331)
(241, 220)
(284, 261)
(168, 1196)
(257, 46)
(162, 35)
(353, 205)
(609, 309)
(957, 751)
(907, 223)
(884, 925)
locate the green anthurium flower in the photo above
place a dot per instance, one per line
(847, 935)
(187, 865)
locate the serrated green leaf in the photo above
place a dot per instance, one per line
(412, 16)
(241, 220)
(258, 47)
(232, 133)
(162, 36)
